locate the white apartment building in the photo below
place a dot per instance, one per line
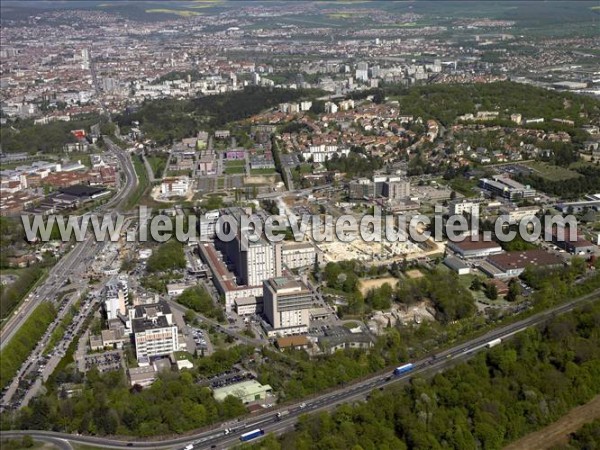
(322, 153)
(262, 260)
(116, 298)
(286, 305)
(331, 108)
(305, 106)
(459, 207)
(295, 255)
(154, 332)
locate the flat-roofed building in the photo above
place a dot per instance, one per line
(292, 342)
(154, 332)
(512, 264)
(475, 247)
(576, 245)
(517, 213)
(460, 207)
(224, 280)
(506, 187)
(247, 391)
(457, 265)
(142, 376)
(254, 258)
(295, 255)
(287, 303)
(248, 306)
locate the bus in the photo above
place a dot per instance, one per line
(252, 435)
(403, 369)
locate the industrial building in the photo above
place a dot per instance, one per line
(512, 264)
(475, 247)
(247, 391)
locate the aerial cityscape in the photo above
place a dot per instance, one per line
(341, 224)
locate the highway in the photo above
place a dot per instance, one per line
(76, 259)
(216, 437)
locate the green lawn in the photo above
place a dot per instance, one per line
(158, 163)
(262, 171)
(464, 186)
(140, 190)
(551, 172)
(232, 170)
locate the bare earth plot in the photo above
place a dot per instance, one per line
(558, 432)
(367, 285)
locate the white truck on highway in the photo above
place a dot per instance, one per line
(281, 414)
(493, 343)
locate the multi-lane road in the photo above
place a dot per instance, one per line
(216, 437)
(76, 258)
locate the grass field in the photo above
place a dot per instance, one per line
(550, 172)
(235, 167)
(262, 171)
(464, 186)
(158, 163)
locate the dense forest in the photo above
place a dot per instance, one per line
(494, 399)
(168, 120)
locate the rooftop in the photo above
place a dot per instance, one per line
(520, 260)
(475, 243)
(292, 341)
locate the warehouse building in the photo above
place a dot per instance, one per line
(247, 391)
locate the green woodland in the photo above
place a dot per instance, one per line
(197, 299)
(167, 256)
(586, 438)
(169, 120)
(492, 400)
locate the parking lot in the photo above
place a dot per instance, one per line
(105, 362)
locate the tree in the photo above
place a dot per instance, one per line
(190, 316)
(475, 284)
(491, 291)
(514, 290)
